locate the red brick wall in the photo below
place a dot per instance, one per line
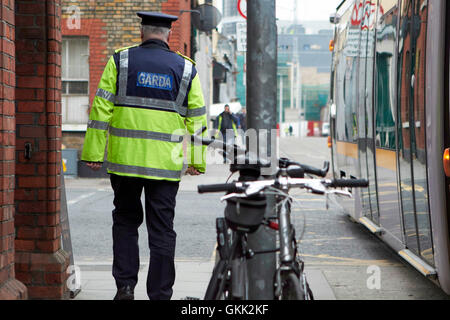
(39, 261)
(9, 287)
(181, 29)
(110, 25)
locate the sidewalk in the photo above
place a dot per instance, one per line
(191, 281)
(97, 282)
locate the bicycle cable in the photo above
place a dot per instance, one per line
(288, 197)
(231, 174)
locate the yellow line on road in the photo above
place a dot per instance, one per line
(325, 239)
(350, 261)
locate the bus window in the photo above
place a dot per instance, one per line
(418, 142)
(403, 128)
(366, 142)
(411, 129)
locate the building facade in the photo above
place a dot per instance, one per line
(304, 63)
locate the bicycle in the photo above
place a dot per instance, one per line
(245, 213)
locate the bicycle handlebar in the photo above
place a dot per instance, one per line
(220, 187)
(350, 183)
(318, 172)
(252, 187)
(284, 162)
(239, 153)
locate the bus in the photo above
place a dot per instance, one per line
(389, 123)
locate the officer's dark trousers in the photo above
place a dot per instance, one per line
(128, 216)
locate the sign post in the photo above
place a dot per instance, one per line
(262, 116)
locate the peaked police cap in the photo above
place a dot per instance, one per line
(156, 19)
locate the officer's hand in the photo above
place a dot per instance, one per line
(94, 165)
(192, 171)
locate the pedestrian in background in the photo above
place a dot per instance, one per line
(227, 126)
(147, 97)
(242, 117)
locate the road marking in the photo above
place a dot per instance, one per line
(324, 239)
(82, 197)
(349, 261)
(213, 255)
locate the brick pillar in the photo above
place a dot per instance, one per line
(10, 288)
(40, 262)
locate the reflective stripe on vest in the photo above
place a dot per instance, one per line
(143, 134)
(196, 112)
(102, 93)
(144, 171)
(168, 105)
(139, 134)
(100, 125)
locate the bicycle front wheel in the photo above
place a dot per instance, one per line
(217, 283)
(291, 288)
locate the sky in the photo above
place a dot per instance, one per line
(308, 10)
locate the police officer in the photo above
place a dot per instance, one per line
(146, 98)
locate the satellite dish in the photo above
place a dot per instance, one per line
(206, 17)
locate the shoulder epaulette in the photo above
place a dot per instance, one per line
(124, 48)
(187, 58)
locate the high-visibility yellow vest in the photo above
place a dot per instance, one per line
(148, 98)
(219, 126)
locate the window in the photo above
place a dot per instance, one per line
(75, 82)
(411, 127)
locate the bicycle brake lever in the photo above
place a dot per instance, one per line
(233, 195)
(248, 192)
(316, 187)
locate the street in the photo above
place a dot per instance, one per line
(341, 252)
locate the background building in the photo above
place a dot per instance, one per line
(303, 72)
(231, 16)
(304, 62)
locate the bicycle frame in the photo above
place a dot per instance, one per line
(285, 233)
(231, 257)
(284, 220)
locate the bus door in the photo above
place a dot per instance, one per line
(411, 127)
(385, 119)
(366, 141)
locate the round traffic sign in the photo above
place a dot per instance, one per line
(242, 8)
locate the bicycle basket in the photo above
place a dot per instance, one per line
(245, 214)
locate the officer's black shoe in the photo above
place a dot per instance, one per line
(124, 293)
